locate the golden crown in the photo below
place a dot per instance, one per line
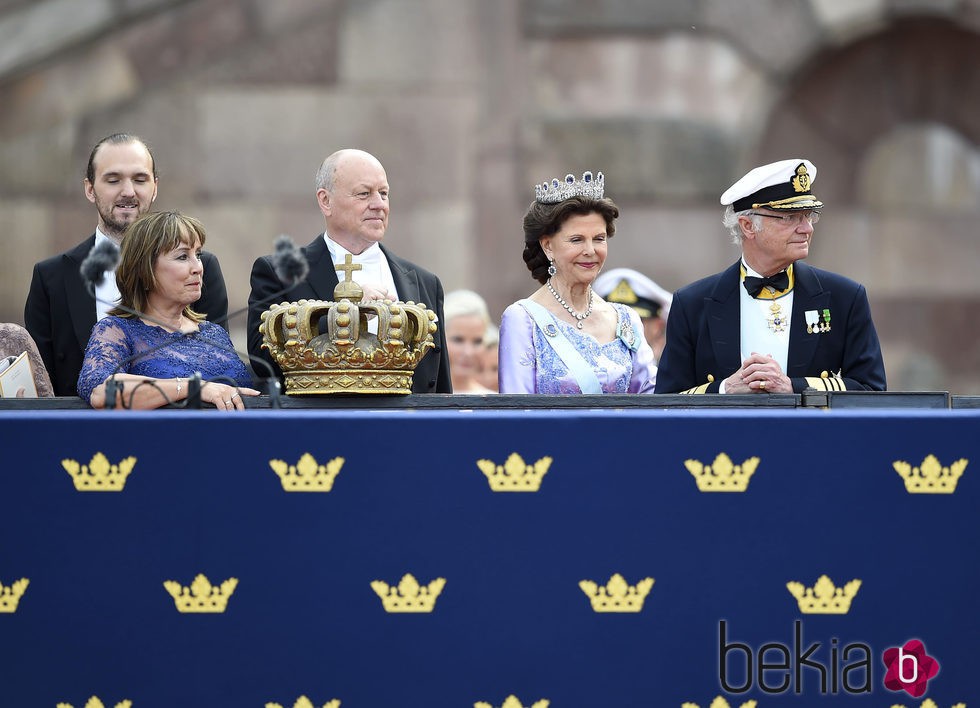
(347, 358)
(617, 595)
(99, 475)
(824, 598)
(929, 703)
(304, 702)
(10, 596)
(409, 596)
(514, 475)
(307, 475)
(722, 475)
(930, 477)
(512, 702)
(719, 702)
(201, 596)
(94, 702)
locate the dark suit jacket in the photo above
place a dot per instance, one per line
(413, 283)
(60, 311)
(704, 323)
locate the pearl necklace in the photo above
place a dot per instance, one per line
(579, 317)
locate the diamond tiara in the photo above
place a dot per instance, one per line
(558, 191)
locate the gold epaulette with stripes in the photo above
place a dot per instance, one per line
(703, 388)
(826, 382)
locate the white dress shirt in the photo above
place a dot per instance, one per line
(755, 332)
(375, 270)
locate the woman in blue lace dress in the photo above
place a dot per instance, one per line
(160, 275)
(564, 338)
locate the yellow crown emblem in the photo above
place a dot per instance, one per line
(930, 477)
(98, 475)
(307, 475)
(347, 358)
(514, 475)
(929, 703)
(304, 702)
(94, 702)
(512, 702)
(824, 598)
(617, 595)
(722, 475)
(201, 596)
(719, 702)
(10, 596)
(801, 182)
(409, 596)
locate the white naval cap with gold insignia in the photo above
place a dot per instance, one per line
(632, 288)
(783, 186)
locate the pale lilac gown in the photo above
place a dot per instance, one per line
(528, 363)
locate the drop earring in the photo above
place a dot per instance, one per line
(551, 267)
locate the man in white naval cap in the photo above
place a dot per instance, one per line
(771, 323)
(651, 302)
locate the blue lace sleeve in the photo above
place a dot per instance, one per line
(108, 345)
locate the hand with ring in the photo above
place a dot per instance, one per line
(759, 373)
(225, 397)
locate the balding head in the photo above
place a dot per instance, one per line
(352, 193)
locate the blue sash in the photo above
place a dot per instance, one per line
(576, 364)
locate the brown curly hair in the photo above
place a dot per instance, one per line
(546, 220)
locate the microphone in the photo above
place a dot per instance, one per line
(290, 266)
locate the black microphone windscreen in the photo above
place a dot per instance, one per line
(289, 262)
(105, 256)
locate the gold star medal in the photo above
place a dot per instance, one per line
(775, 319)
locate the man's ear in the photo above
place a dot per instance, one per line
(745, 225)
(324, 201)
(89, 190)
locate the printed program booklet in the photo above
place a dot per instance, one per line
(16, 373)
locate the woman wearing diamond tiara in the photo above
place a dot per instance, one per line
(564, 338)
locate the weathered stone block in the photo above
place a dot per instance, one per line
(779, 34)
(39, 29)
(26, 225)
(641, 159)
(555, 17)
(425, 41)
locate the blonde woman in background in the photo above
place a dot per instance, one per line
(488, 372)
(467, 320)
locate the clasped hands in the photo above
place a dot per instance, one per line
(759, 373)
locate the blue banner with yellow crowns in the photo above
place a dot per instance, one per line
(584, 558)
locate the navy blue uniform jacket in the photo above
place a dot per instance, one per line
(703, 333)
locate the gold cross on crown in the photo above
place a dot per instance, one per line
(347, 288)
(348, 266)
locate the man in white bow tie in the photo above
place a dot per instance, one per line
(352, 193)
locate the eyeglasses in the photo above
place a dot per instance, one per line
(796, 219)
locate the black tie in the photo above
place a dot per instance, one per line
(754, 286)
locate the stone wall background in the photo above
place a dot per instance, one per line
(468, 103)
